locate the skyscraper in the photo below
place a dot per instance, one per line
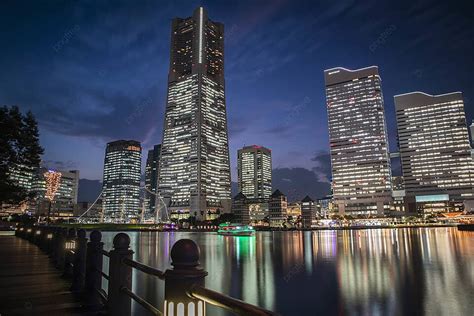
(194, 175)
(121, 187)
(151, 178)
(435, 151)
(254, 166)
(358, 139)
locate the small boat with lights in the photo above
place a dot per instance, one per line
(228, 229)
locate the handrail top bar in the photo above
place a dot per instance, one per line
(144, 268)
(229, 303)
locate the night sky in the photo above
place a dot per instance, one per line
(96, 71)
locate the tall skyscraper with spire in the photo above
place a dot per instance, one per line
(194, 175)
(358, 137)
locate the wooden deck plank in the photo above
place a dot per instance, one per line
(30, 284)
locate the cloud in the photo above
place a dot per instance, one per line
(296, 183)
(323, 165)
(60, 165)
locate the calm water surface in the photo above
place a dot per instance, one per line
(424, 271)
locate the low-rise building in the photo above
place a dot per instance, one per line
(308, 212)
(278, 209)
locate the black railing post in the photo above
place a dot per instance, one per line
(60, 248)
(53, 243)
(94, 259)
(185, 274)
(70, 250)
(29, 233)
(120, 276)
(79, 262)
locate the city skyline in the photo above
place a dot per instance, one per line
(302, 108)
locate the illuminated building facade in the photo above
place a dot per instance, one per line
(65, 198)
(194, 175)
(21, 175)
(278, 207)
(361, 175)
(151, 178)
(254, 166)
(435, 151)
(121, 186)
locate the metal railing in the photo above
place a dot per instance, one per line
(82, 261)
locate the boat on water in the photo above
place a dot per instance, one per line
(228, 229)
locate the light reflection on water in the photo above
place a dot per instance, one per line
(420, 271)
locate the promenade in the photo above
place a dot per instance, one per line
(30, 284)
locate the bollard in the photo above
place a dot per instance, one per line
(79, 262)
(69, 252)
(120, 276)
(93, 281)
(186, 273)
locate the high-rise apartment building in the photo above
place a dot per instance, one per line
(361, 176)
(121, 186)
(435, 151)
(254, 166)
(151, 179)
(194, 176)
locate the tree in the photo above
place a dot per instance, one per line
(20, 152)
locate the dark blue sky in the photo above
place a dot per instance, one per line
(95, 71)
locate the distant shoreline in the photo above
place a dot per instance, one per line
(151, 228)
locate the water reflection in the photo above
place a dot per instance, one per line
(425, 271)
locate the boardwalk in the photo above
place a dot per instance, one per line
(30, 284)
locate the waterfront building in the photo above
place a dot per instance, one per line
(194, 176)
(326, 206)
(22, 176)
(278, 206)
(151, 180)
(308, 212)
(250, 211)
(240, 209)
(65, 197)
(435, 151)
(294, 209)
(121, 185)
(254, 168)
(398, 194)
(358, 141)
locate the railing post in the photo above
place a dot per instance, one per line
(94, 259)
(120, 276)
(53, 243)
(48, 242)
(29, 233)
(69, 252)
(79, 262)
(186, 273)
(60, 248)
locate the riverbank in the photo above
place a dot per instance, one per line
(152, 227)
